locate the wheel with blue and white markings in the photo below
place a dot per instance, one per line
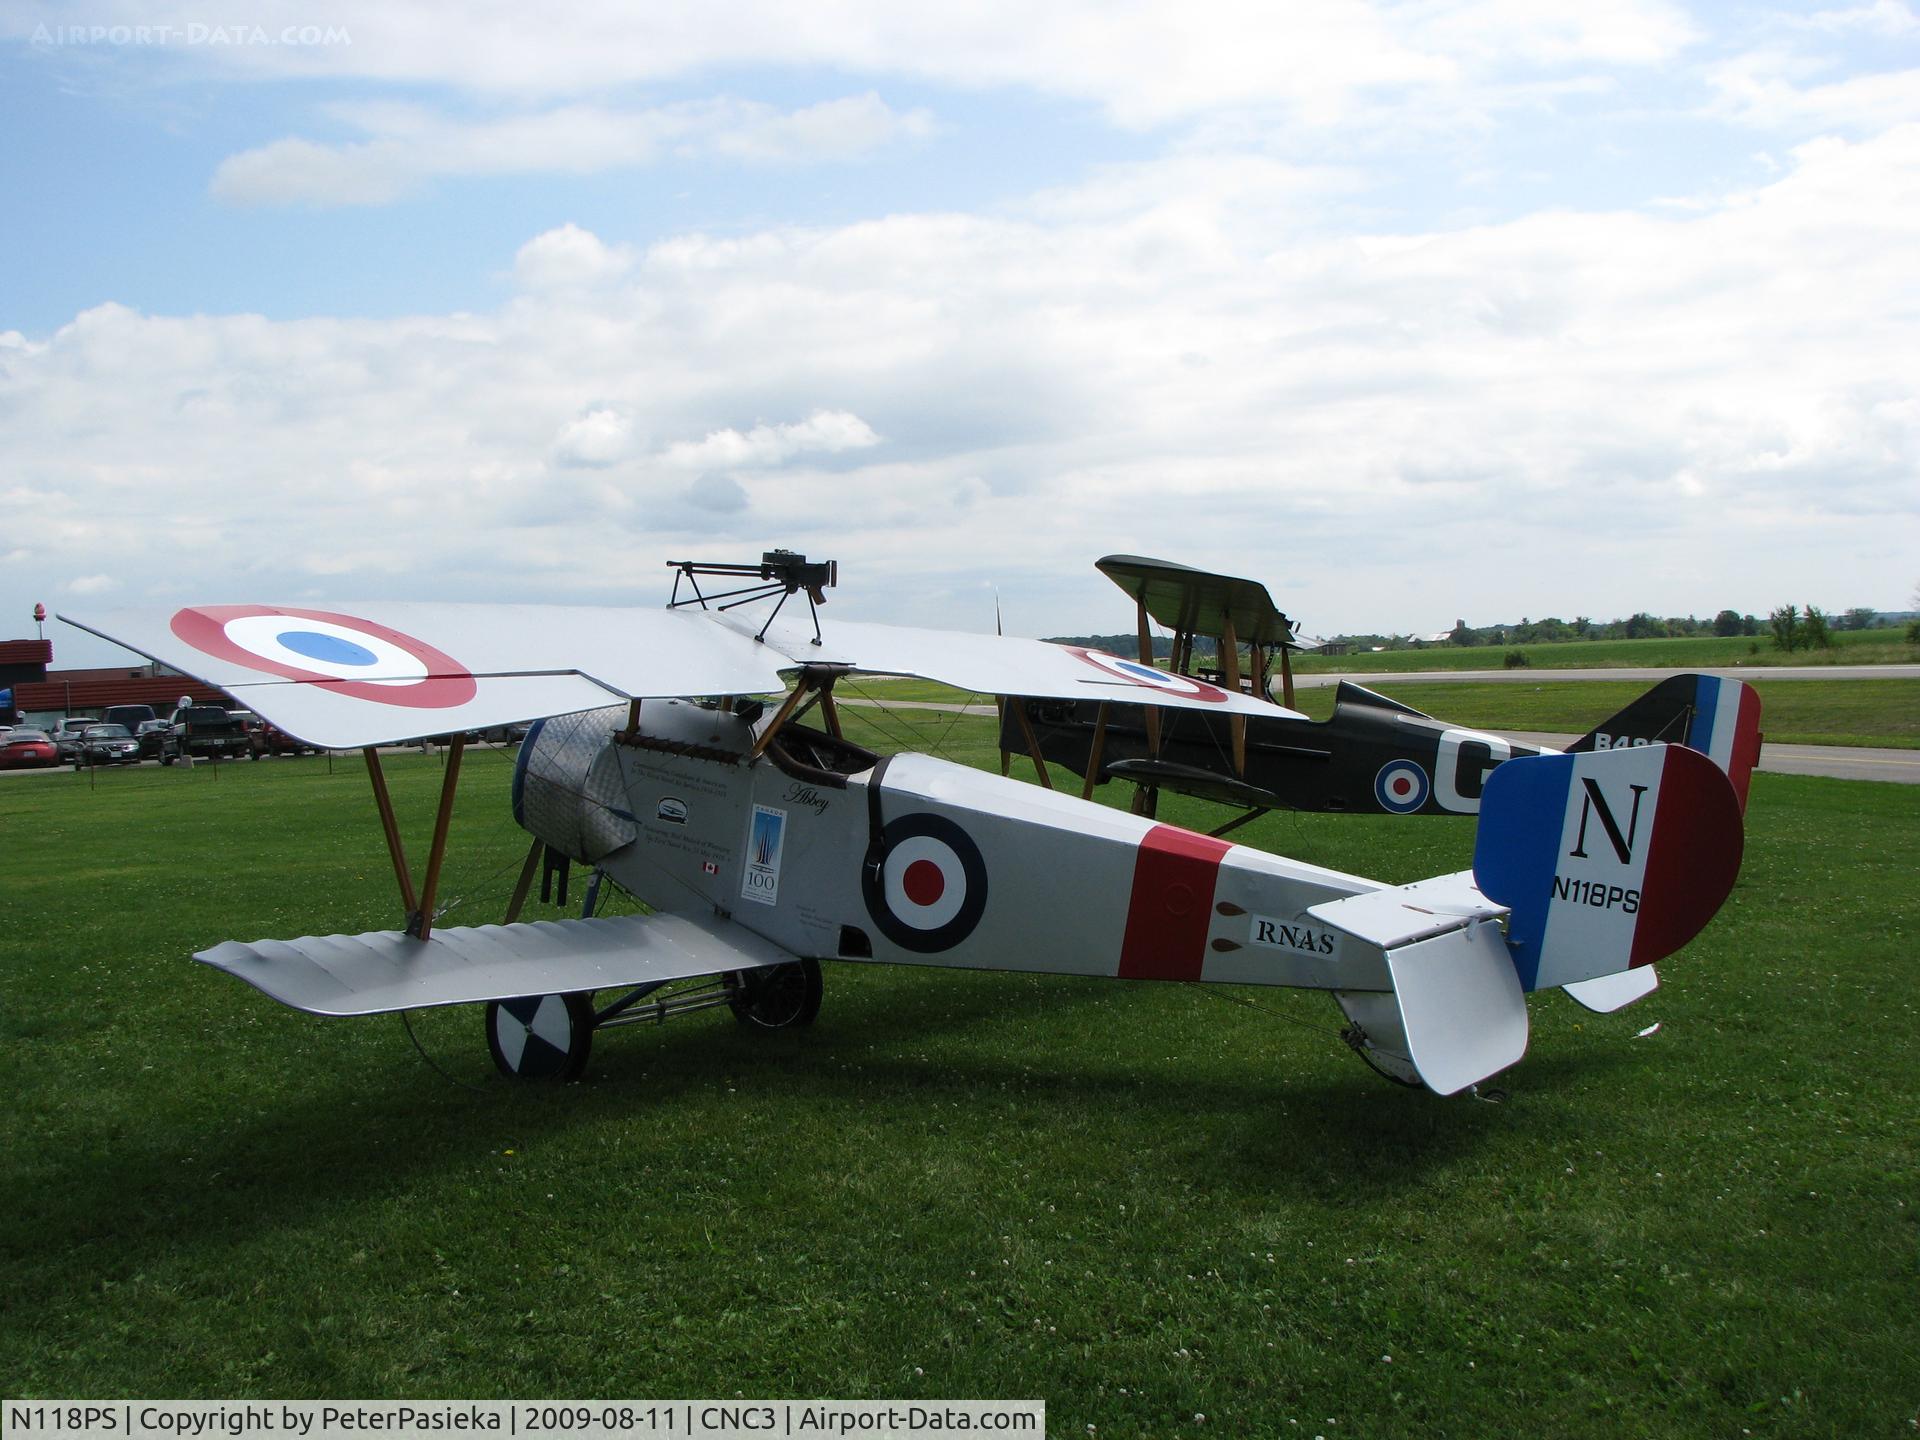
(541, 1037)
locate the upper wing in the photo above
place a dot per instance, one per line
(1182, 598)
(360, 674)
(385, 970)
(357, 674)
(1001, 665)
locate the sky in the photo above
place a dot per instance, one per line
(1425, 311)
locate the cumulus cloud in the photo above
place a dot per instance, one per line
(824, 431)
(566, 258)
(596, 439)
(409, 144)
(1382, 424)
(841, 129)
(1142, 64)
(1621, 32)
(295, 171)
(1777, 89)
(1890, 18)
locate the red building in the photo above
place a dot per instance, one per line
(43, 693)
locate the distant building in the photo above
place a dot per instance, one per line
(42, 695)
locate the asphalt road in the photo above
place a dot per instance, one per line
(1838, 762)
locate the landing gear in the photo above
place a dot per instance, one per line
(541, 1037)
(548, 1037)
(779, 997)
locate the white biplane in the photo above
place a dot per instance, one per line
(762, 841)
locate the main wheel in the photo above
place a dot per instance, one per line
(779, 997)
(541, 1037)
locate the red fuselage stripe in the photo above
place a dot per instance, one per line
(1171, 906)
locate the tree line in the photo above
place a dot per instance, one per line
(1790, 627)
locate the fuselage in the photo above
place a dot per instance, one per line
(835, 853)
(1372, 756)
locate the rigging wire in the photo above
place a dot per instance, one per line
(406, 1021)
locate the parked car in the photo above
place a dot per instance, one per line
(28, 750)
(107, 745)
(67, 737)
(203, 731)
(152, 738)
(269, 739)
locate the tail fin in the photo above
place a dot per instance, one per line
(1602, 863)
(1719, 718)
(1608, 860)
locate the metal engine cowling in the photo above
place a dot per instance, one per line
(567, 788)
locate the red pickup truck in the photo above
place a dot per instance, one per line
(269, 739)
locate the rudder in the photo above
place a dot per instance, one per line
(1716, 716)
(1607, 860)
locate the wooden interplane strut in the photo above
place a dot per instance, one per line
(417, 904)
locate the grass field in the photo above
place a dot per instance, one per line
(1851, 647)
(1136, 1201)
(1794, 712)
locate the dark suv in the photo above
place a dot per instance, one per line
(204, 732)
(131, 716)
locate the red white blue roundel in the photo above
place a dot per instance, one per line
(1132, 672)
(1401, 786)
(349, 655)
(928, 888)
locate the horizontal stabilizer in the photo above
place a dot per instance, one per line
(1456, 1014)
(1351, 696)
(1402, 914)
(385, 970)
